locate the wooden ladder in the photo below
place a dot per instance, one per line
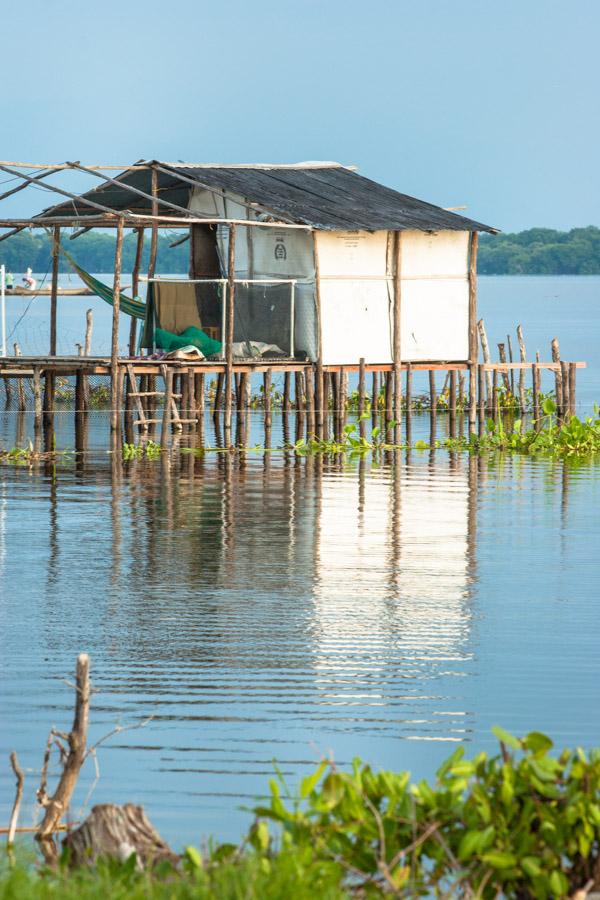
(170, 417)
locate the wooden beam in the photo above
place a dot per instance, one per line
(114, 357)
(21, 187)
(58, 190)
(128, 187)
(12, 231)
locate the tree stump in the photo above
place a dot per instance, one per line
(117, 832)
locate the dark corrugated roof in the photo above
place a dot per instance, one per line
(326, 196)
(331, 197)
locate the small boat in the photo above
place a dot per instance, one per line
(46, 291)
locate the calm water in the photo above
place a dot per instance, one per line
(271, 607)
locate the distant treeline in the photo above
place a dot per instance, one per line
(94, 251)
(541, 251)
(537, 251)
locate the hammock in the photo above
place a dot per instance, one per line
(131, 307)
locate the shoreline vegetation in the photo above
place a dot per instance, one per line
(536, 251)
(521, 822)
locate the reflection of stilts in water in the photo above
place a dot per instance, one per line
(116, 471)
(53, 531)
(392, 574)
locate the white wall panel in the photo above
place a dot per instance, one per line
(424, 255)
(344, 254)
(435, 319)
(355, 317)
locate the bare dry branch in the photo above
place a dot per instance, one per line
(14, 816)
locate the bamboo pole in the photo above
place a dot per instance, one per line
(229, 329)
(473, 329)
(523, 358)
(135, 288)
(114, 355)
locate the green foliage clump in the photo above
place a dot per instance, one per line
(541, 251)
(523, 822)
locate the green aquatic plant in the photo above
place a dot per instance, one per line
(520, 822)
(348, 442)
(27, 456)
(147, 450)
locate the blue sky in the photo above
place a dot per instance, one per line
(492, 105)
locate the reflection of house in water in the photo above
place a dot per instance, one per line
(391, 587)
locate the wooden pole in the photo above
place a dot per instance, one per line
(325, 380)
(397, 333)
(512, 371)
(536, 397)
(564, 371)
(321, 411)
(495, 397)
(408, 401)
(114, 355)
(502, 358)
(485, 349)
(286, 392)
(433, 400)
(572, 388)
(37, 397)
(374, 398)
(20, 385)
(154, 231)
(267, 382)
(473, 330)
(361, 398)
(523, 358)
(299, 390)
(135, 288)
(558, 390)
(452, 403)
(167, 374)
(389, 397)
(481, 381)
(54, 288)
(229, 330)
(309, 384)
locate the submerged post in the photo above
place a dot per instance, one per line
(229, 335)
(473, 330)
(114, 356)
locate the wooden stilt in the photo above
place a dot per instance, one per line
(20, 384)
(54, 288)
(135, 288)
(482, 398)
(536, 397)
(502, 358)
(495, 396)
(361, 398)
(374, 399)
(320, 411)
(389, 397)
(7, 391)
(334, 380)
(267, 382)
(114, 356)
(558, 390)
(397, 329)
(37, 397)
(566, 394)
(218, 392)
(523, 358)
(325, 403)
(230, 330)
(473, 354)
(452, 403)
(167, 374)
(286, 392)
(512, 371)
(408, 394)
(299, 391)
(572, 388)
(309, 382)
(433, 399)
